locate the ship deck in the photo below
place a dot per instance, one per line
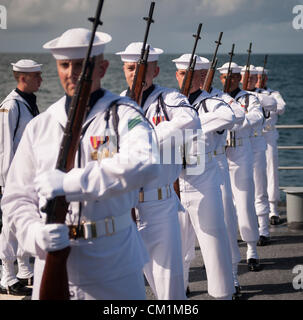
(276, 280)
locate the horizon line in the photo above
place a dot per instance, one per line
(166, 53)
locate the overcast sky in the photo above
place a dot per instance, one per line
(266, 23)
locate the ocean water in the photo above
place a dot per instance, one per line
(286, 76)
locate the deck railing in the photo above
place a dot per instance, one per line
(290, 126)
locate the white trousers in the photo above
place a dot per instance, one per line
(188, 237)
(272, 162)
(205, 208)
(261, 196)
(10, 251)
(230, 216)
(160, 231)
(240, 162)
(128, 287)
(260, 180)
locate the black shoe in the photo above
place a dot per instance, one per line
(274, 220)
(253, 265)
(17, 289)
(237, 295)
(26, 281)
(187, 291)
(263, 241)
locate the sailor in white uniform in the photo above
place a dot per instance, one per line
(230, 216)
(271, 136)
(240, 161)
(105, 262)
(17, 109)
(157, 210)
(259, 148)
(200, 193)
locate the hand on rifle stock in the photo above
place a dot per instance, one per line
(51, 237)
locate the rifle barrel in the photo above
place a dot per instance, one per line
(218, 42)
(149, 21)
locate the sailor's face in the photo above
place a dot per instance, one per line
(203, 77)
(252, 81)
(234, 80)
(32, 81)
(196, 80)
(69, 71)
(129, 69)
(259, 83)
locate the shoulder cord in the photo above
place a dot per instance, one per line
(114, 106)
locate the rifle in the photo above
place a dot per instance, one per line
(186, 84)
(246, 74)
(211, 71)
(229, 71)
(185, 89)
(227, 83)
(266, 116)
(54, 283)
(139, 79)
(262, 85)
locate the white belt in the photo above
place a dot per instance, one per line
(105, 227)
(220, 150)
(162, 193)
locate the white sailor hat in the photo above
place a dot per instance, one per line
(132, 53)
(183, 62)
(234, 67)
(26, 65)
(260, 70)
(252, 70)
(73, 43)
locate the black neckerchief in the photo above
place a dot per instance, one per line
(146, 94)
(193, 96)
(94, 97)
(31, 99)
(235, 92)
(128, 92)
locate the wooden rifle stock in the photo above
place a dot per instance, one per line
(229, 71)
(209, 78)
(139, 79)
(211, 71)
(186, 84)
(263, 73)
(245, 80)
(54, 283)
(246, 74)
